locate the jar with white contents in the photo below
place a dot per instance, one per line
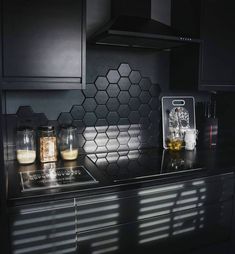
(47, 144)
(25, 145)
(68, 143)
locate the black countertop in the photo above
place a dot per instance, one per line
(123, 171)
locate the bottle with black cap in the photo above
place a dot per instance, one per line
(47, 144)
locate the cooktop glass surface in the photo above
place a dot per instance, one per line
(51, 177)
(130, 165)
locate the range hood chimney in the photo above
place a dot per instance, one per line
(131, 26)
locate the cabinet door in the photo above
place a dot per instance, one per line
(44, 228)
(103, 211)
(176, 232)
(218, 51)
(43, 44)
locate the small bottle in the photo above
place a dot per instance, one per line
(68, 143)
(25, 145)
(47, 144)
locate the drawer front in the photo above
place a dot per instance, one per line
(113, 209)
(173, 233)
(43, 229)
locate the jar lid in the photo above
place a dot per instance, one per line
(46, 128)
(25, 128)
(68, 127)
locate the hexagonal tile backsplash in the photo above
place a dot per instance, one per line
(120, 111)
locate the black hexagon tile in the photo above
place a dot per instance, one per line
(123, 138)
(101, 139)
(112, 131)
(145, 97)
(112, 118)
(112, 145)
(90, 146)
(101, 129)
(101, 83)
(101, 122)
(134, 104)
(144, 122)
(144, 110)
(24, 111)
(134, 130)
(65, 118)
(134, 91)
(124, 111)
(134, 117)
(101, 111)
(113, 90)
(89, 104)
(124, 84)
(123, 122)
(90, 133)
(112, 104)
(134, 143)
(113, 76)
(124, 97)
(90, 91)
(124, 69)
(90, 119)
(101, 97)
(145, 84)
(135, 77)
(77, 112)
(81, 140)
(79, 124)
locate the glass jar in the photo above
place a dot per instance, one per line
(47, 144)
(174, 141)
(68, 143)
(25, 145)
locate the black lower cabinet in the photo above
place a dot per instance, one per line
(44, 228)
(179, 232)
(180, 217)
(3, 231)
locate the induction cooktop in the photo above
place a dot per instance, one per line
(139, 164)
(52, 177)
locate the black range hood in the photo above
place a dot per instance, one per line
(131, 26)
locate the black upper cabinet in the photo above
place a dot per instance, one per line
(184, 61)
(43, 44)
(218, 50)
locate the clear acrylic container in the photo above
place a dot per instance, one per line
(25, 145)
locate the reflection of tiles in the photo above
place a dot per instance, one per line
(123, 165)
(172, 210)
